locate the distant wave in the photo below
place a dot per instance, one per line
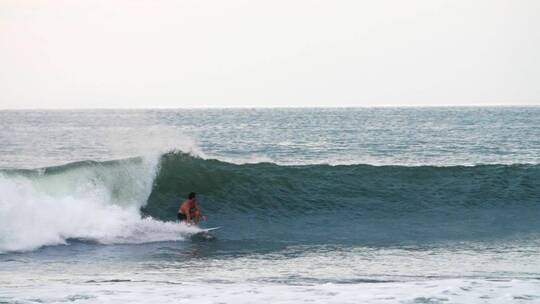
(135, 200)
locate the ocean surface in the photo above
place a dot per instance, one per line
(352, 205)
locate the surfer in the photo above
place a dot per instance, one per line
(189, 211)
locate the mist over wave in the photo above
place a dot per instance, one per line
(135, 200)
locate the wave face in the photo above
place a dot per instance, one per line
(135, 201)
(356, 204)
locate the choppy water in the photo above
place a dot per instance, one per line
(388, 205)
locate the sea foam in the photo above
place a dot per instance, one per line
(91, 201)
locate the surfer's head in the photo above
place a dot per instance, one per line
(191, 195)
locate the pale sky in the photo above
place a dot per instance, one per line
(275, 53)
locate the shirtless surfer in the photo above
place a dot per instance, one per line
(189, 211)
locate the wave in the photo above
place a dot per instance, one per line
(135, 200)
(353, 203)
(98, 201)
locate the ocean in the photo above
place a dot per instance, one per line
(345, 205)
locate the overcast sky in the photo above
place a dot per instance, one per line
(232, 53)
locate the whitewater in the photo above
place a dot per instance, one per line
(390, 205)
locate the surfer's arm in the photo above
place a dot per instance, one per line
(188, 216)
(199, 213)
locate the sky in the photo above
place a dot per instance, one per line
(278, 53)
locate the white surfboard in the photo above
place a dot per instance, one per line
(204, 233)
(205, 230)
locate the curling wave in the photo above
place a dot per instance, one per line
(95, 201)
(353, 203)
(135, 200)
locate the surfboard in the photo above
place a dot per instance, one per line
(206, 230)
(204, 234)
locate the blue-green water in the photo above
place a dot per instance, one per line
(396, 204)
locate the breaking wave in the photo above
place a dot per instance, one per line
(135, 200)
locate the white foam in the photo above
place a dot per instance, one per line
(151, 142)
(140, 290)
(95, 202)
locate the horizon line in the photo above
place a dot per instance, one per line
(271, 107)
